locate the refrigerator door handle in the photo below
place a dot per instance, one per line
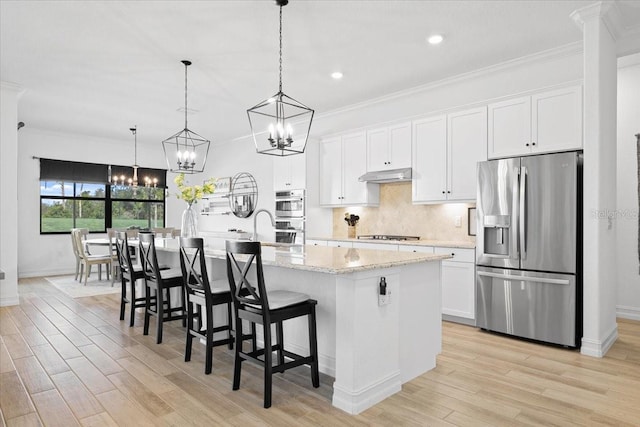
(524, 278)
(515, 235)
(523, 213)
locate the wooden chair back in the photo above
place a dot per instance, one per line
(193, 265)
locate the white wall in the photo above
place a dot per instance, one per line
(628, 298)
(8, 193)
(41, 255)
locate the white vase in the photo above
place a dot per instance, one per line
(189, 222)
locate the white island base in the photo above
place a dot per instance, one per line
(370, 350)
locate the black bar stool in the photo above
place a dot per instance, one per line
(128, 274)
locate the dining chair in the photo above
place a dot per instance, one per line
(266, 308)
(129, 274)
(161, 282)
(115, 264)
(202, 296)
(163, 231)
(76, 254)
(86, 260)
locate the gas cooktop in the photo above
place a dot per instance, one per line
(387, 237)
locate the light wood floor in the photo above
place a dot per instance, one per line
(66, 362)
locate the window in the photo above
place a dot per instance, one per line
(70, 197)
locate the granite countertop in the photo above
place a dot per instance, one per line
(323, 259)
(440, 243)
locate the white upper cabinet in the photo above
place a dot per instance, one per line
(556, 119)
(289, 172)
(545, 122)
(389, 147)
(429, 159)
(467, 145)
(342, 162)
(446, 150)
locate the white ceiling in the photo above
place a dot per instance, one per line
(99, 67)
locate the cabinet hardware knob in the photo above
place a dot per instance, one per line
(533, 143)
(449, 192)
(443, 192)
(453, 254)
(527, 144)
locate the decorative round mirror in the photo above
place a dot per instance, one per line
(243, 196)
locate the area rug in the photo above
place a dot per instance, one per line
(76, 289)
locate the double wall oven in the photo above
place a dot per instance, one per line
(290, 216)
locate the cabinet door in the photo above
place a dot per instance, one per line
(510, 127)
(467, 145)
(377, 150)
(378, 246)
(331, 172)
(281, 173)
(316, 242)
(297, 171)
(354, 161)
(400, 146)
(429, 152)
(557, 120)
(458, 289)
(339, 244)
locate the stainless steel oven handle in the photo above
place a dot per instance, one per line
(524, 278)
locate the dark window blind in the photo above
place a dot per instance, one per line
(63, 170)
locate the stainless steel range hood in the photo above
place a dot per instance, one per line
(392, 175)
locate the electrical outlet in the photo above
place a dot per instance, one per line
(384, 299)
(457, 220)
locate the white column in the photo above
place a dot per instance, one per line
(9, 192)
(600, 93)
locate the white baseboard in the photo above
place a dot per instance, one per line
(5, 302)
(598, 348)
(356, 401)
(45, 273)
(627, 312)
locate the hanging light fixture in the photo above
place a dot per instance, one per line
(272, 121)
(133, 180)
(186, 151)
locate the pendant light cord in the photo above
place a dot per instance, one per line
(280, 86)
(185, 95)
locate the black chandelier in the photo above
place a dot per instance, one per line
(132, 181)
(272, 120)
(186, 151)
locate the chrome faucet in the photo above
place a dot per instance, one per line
(255, 218)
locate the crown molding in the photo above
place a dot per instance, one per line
(11, 86)
(543, 56)
(607, 11)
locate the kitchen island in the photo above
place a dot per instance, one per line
(370, 349)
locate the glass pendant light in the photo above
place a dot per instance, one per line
(186, 151)
(280, 125)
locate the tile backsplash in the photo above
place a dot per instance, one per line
(397, 215)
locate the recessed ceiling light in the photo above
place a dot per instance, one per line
(337, 75)
(435, 39)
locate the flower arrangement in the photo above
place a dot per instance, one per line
(191, 194)
(351, 219)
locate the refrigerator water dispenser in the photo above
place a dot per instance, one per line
(496, 235)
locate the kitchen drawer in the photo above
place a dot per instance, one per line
(415, 248)
(316, 242)
(379, 246)
(459, 254)
(339, 244)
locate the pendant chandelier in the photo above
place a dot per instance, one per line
(186, 151)
(273, 120)
(132, 181)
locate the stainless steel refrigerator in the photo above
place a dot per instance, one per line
(529, 247)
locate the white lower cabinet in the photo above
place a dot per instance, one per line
(316, 242)
(379, 246)
(458, 283)
(339, 244)
(415, 248)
